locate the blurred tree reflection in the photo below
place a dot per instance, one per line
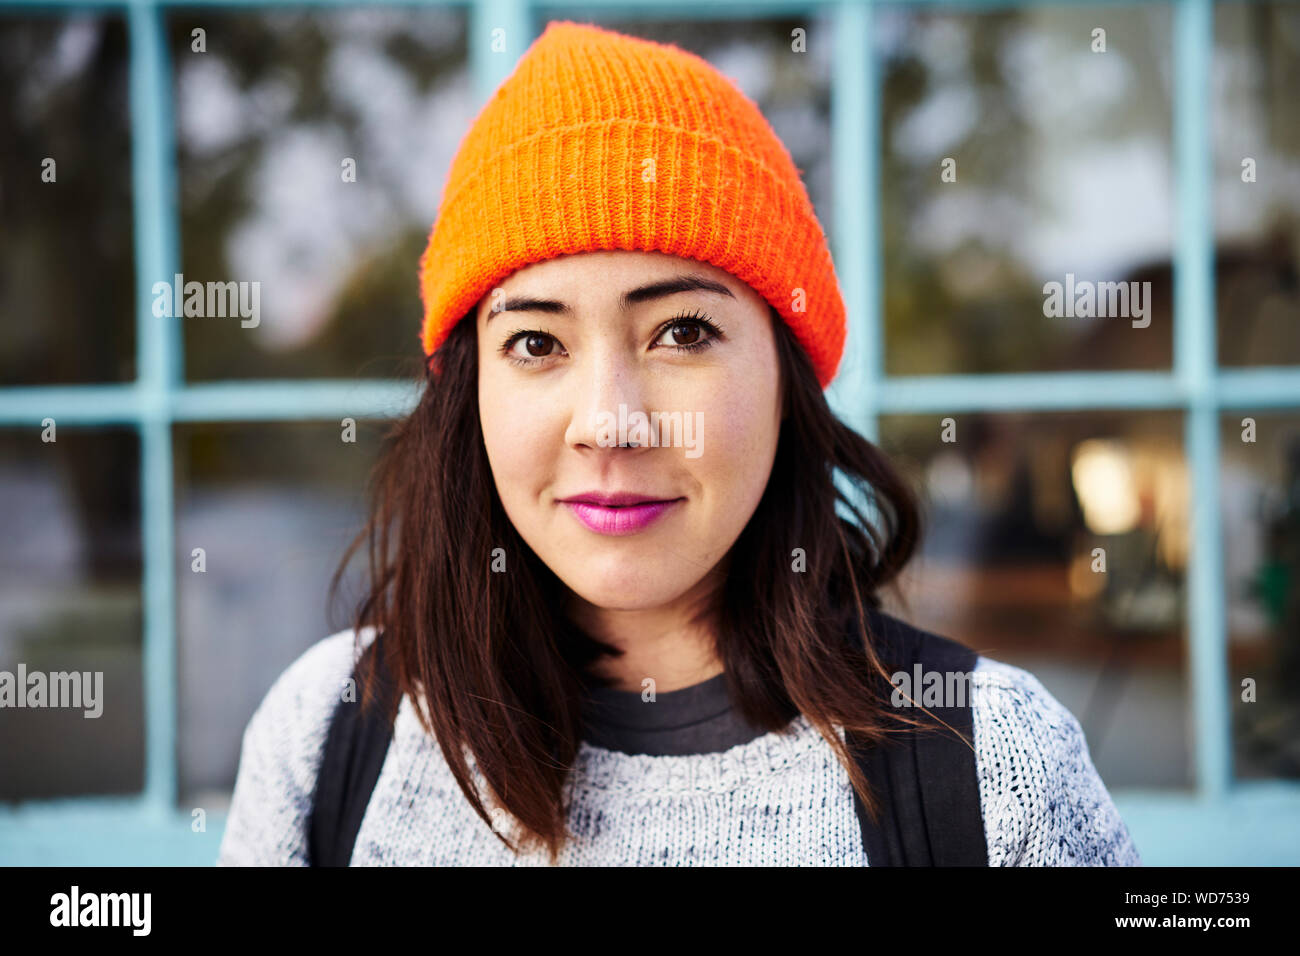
(66, 278)
(286, 99)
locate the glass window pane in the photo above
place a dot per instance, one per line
(70, 571)
(788, 77)
(1256, 129)
(1058, 543)
(67, 288)
(1261, 536)
(272, 506)
(312, 147)
(1021, 148)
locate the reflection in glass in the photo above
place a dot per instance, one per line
(66, 273)
(1261, 535)
(1256, 130)
(266, 510)
(312, 147)
(1023, 147)
(70, 572)
(1058, 543)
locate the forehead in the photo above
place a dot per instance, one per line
(604, 274)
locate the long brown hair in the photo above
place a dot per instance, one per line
(496, 668)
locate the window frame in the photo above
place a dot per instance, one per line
(1235, 822)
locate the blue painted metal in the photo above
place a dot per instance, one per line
(1263, 389)
(158, 357)
(855, 239)
(608, 10)
(297, 401)
(1258, 388)
(71, 404)
(301, 400)
(1029, 391)
(67, 7)
(1253, 824)
(109, 832)
(499, 32)
(1194, 363)
(604, 10)
(1250, 823)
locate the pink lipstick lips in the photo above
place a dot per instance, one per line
(617, 514)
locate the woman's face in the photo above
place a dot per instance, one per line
(630, 406)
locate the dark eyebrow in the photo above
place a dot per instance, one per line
(645, 293)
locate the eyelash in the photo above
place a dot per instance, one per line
(696, 316)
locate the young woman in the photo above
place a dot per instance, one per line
(610, 578)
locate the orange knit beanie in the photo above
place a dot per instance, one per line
(603, 141)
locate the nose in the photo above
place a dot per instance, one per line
(608, 391)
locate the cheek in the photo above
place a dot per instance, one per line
(520, 444)
(740, 428)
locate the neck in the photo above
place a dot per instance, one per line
(673, 645)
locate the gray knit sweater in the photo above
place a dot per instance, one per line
(780, 799)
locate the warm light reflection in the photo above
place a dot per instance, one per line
(1103, 479)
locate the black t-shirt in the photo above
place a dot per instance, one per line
(693, 720)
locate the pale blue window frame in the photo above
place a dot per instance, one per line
(1219, 821)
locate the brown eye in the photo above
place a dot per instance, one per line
(538, 345)
(685, 333)
(688, 334)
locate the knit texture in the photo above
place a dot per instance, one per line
(780, 800)
(603, 141)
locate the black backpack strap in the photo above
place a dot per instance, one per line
(354, 756)
(924, 782)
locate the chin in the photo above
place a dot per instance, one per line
(623, 583)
